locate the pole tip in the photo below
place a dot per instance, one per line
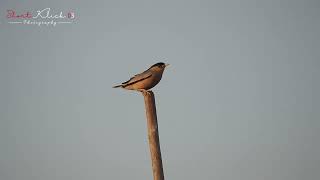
(147, 93)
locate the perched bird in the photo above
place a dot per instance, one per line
(145, 80)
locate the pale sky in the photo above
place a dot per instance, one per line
(240, 100)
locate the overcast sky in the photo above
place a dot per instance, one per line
(240, 100)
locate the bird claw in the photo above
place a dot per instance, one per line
(143, 91)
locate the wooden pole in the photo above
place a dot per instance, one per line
(153, 135)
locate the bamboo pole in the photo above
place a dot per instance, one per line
(153, 135)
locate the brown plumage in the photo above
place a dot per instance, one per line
(145, 80)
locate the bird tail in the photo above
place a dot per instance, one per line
(121, 85)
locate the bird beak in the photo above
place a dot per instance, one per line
(167, 65)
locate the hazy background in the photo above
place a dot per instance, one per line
(240, 100)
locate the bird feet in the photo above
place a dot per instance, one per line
(144, 91)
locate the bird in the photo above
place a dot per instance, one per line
(146, 80)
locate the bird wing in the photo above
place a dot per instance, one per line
(138, 77)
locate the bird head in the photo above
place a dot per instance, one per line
(158, 66)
